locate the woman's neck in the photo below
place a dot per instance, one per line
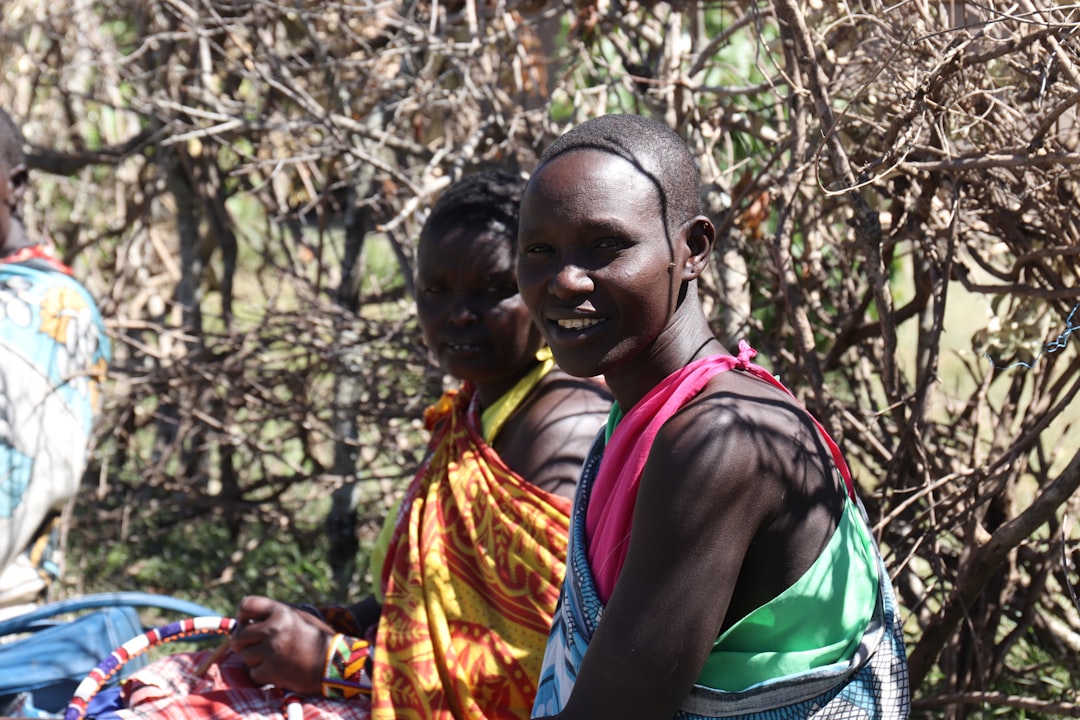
(686, 339)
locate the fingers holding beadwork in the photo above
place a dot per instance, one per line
(281, 645)
(251, 639)
(254, 608)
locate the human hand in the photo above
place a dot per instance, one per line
(281, 645)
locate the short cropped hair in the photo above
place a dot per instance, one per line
(653, 148)
(485, 200)
(11, 142)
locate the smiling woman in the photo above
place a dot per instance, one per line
(715, 514)
(480, 331)
(473, 319)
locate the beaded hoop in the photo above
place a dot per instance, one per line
(180, 630)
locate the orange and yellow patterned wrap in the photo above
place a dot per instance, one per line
(471, 581)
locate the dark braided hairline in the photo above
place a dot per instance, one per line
(485, 200)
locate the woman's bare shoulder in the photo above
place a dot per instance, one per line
(570, 395)
(548, 439)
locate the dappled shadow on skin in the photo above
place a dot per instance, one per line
(569, 382)
(562, 422)
(801, 495)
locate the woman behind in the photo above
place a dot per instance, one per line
(475, 554)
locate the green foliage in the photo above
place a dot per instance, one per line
(207, 557)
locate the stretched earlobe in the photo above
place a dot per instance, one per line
(18, 179)
(19, 176)
(700, 239)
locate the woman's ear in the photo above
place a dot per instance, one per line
(19, 179)
(700, 238)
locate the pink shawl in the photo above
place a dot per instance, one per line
(609, 517)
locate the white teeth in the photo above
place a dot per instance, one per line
(577, 323)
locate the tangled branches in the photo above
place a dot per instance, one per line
(896, 192)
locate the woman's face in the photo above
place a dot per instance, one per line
(593, 261)
(472, 317)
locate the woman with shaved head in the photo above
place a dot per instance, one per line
(720, 564)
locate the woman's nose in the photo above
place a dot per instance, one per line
(571, 280)
(461, 312)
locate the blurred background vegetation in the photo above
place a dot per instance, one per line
(896, 186)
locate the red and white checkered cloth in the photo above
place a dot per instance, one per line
(169, 690)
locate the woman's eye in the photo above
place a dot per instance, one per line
(536, 249)
(610, 243)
